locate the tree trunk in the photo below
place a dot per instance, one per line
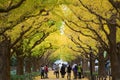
(5, 60)
(118, 51)
(34, 64)
(20, 65)
(115, 63)
(28, 65)
(101, 69)
(85, 65)
(42, 61)
(93, 65)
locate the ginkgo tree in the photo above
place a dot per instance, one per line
(107, 18)
(101, 22)
(27, 24)
(12, 14)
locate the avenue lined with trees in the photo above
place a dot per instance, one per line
(36, 32)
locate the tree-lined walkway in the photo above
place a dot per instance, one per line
(52, 77)
(39, 32)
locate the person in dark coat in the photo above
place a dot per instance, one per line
(75, 68)
(42, 71)
(62, 70)
(69, 72)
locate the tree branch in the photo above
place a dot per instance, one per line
(115, 4)
(12, 7)
(79, 31)
(23, 18)
(20, 37)
(92, 12)
(40, 40)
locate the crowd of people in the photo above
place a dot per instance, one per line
(63, 70)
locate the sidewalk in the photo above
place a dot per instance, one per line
(38, 78)
(52, 77)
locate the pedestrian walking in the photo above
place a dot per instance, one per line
(74, 68)
(62, 70)
(42, 71)
(79, 71)
(56, 70)
(46, 71)
(69, 72)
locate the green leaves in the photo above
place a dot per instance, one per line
(51, 23)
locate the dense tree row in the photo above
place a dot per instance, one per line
(27, 25)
